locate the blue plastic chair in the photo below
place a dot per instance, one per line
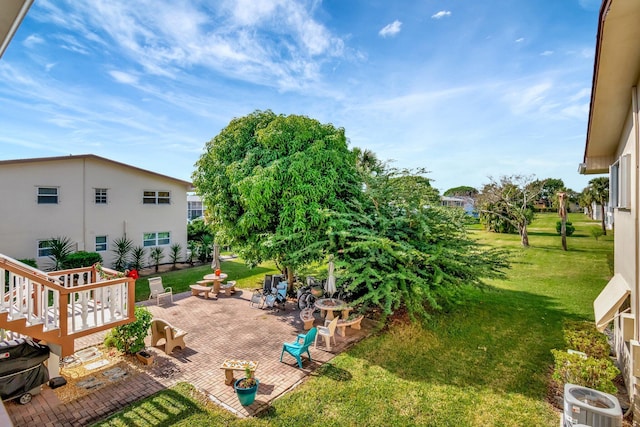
(297, 348)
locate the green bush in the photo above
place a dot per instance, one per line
(591, 372)
(29, 261)
(584, 337)
(109, 340)
(81, 259)
(569, 227)
(596, 232)
(129, 338)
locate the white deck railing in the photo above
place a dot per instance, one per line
(70, 301)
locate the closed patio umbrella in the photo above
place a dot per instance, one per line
(330, 287)
(215, 264)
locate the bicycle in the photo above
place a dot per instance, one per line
(308, 294)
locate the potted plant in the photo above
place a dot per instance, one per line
(246, 388)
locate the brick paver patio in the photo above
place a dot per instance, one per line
(217, 329)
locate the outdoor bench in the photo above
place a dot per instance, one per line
(206, 291)
(173, 337)
(230, 365)
(342, 325)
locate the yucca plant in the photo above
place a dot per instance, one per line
(61, 248)
(155, 255)
(122, 248)
(137, 257)
(176, 248)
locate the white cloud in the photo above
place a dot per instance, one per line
(523, 100)
(391, 29)
(547, 53)
(520, 40)
(122, 77)
(441, 14)
(276, 43)
(33, 40)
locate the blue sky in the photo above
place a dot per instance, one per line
(467, 89)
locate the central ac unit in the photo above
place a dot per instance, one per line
(585, 406)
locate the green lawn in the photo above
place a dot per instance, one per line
(179, 280)
(484, 363)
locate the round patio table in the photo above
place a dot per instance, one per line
(328, 305)
(216, 279)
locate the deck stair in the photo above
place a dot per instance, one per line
(60, 306)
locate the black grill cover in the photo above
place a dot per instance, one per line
(21, 367)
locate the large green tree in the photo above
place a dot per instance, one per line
(549, 189)
(462, 191)
(396, 248)
(510, 200)
(267, 180)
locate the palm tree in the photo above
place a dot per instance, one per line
(599, 189)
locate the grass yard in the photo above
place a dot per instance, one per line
(179, 280)
(485, 362)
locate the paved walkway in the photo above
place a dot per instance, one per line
(217, 329)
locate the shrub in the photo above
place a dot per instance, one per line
(584, 337)
(595, 373)
(137, 257)
(155, 256)
(60, 248)
(122, 248)
(81, 259)
(596, 232)
(109, 340)
(174, 255)
(569, 227)
(30, 262)
(129, 338)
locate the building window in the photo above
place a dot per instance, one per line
(194, 210)
(157, 239)
(44, 248)
(101, 243)
(47, 195)
(101, 196)
(156, 198)
(620, 183)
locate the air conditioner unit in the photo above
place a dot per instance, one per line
(589, 407)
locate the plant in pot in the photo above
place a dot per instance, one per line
(246, 388)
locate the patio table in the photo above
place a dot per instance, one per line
(215, 279)
(328, 305)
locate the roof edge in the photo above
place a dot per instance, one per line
(94, 157)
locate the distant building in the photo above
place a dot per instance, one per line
(465, 203)
(194, 207)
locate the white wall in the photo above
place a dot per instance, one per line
(23, 221)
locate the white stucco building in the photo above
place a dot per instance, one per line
(92, 201)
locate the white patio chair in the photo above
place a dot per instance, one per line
(158, 291)
(328, 331)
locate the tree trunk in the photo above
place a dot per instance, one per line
(562, 211)
(604, 227)
(289, 275)
(524, 237)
